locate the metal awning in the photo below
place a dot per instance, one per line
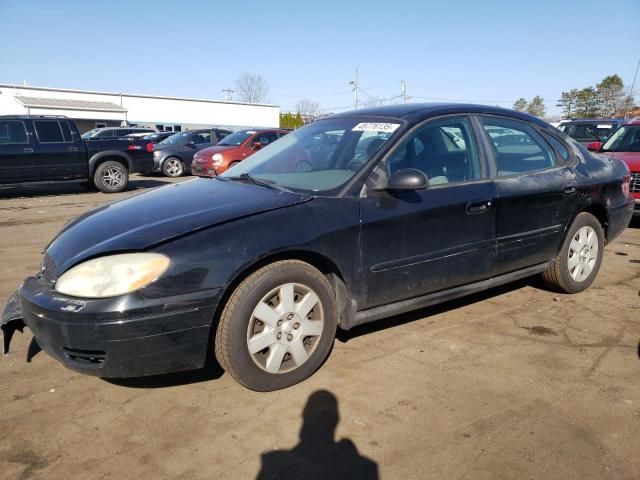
(65, 104)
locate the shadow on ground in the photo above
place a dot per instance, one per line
(73, 188)
(211, 371)
(318, 455)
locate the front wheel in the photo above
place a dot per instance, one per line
(111, 177)
(577, 265)
(277, 327)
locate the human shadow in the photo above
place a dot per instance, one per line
(318, 455)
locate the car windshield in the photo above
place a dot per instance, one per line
(236, 139)
(176, 139)
(319, 157)
(625, 139)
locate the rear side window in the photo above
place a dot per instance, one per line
(12, 132)
(517, 147)
(66, 131)
(558, 146)
(48, 131)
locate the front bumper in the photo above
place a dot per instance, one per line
(203, 170)
(128, 336)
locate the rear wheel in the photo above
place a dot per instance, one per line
(277, 327)
(173, 167)
(577, 265)
(111, 177)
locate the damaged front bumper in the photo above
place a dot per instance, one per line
(120, 337)
(11, 321)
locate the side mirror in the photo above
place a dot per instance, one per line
(407, 179)
(594, 146)
(256, 145)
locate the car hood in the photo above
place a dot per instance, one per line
(632, 159)
(145, 220)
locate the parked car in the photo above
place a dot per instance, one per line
(624, 145)
(114, 132)
(35, 149)
(173, 155)
(153, 138)
(263, 263)
(590, 130)
(232, 150)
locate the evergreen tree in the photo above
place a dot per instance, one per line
(568, 103)
(610, 92)
(520, 105)
(536, 107)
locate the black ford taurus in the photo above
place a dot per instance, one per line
(347, 220)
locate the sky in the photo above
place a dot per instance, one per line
(483, 51)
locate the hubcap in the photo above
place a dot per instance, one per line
(583, 254)
(174, 167)
(112, 177)
(285, 328)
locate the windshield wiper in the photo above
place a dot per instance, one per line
(259, 181)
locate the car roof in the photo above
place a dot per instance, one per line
(415, 112)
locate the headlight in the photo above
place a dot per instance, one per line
(112, 275)
(216, 158)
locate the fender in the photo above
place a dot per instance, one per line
(93, 161)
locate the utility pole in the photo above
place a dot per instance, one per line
(633, 84)
(404, 92)
(228, 93)
(355, 88)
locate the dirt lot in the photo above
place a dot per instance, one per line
(514, 383)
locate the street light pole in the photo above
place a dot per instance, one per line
(355, 88)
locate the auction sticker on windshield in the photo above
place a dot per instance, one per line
(376, 127)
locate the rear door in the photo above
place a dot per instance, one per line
(419, 242)
(58, 156)
(537, 192)
(16, 151)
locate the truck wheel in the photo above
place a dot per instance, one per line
(577, 265)
(111, 177)
(172, 167)
(277, 327)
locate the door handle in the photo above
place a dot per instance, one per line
(481, 206)
(570, 188)
(27, 150)
(73, 149)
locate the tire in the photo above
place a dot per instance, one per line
(577, 264)
(173, 167)
(111, 177)
(247, 345)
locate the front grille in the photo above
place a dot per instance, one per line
(635, 182)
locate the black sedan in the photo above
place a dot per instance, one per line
(413, 205)
(173, 156)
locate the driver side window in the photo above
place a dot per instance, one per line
(444, 150)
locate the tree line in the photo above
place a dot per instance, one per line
(533, 107)
(606, 99)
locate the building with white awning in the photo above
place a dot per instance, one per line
(92, 109)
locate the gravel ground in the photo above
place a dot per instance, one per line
(516, 382)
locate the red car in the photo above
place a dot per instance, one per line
(234, 148)
(624, 144)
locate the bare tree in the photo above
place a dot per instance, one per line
(307, 107)
(252, 88)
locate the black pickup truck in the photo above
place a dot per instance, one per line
(38, 149)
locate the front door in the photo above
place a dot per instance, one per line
(57, 156)
(418, 242)
(537, 192)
